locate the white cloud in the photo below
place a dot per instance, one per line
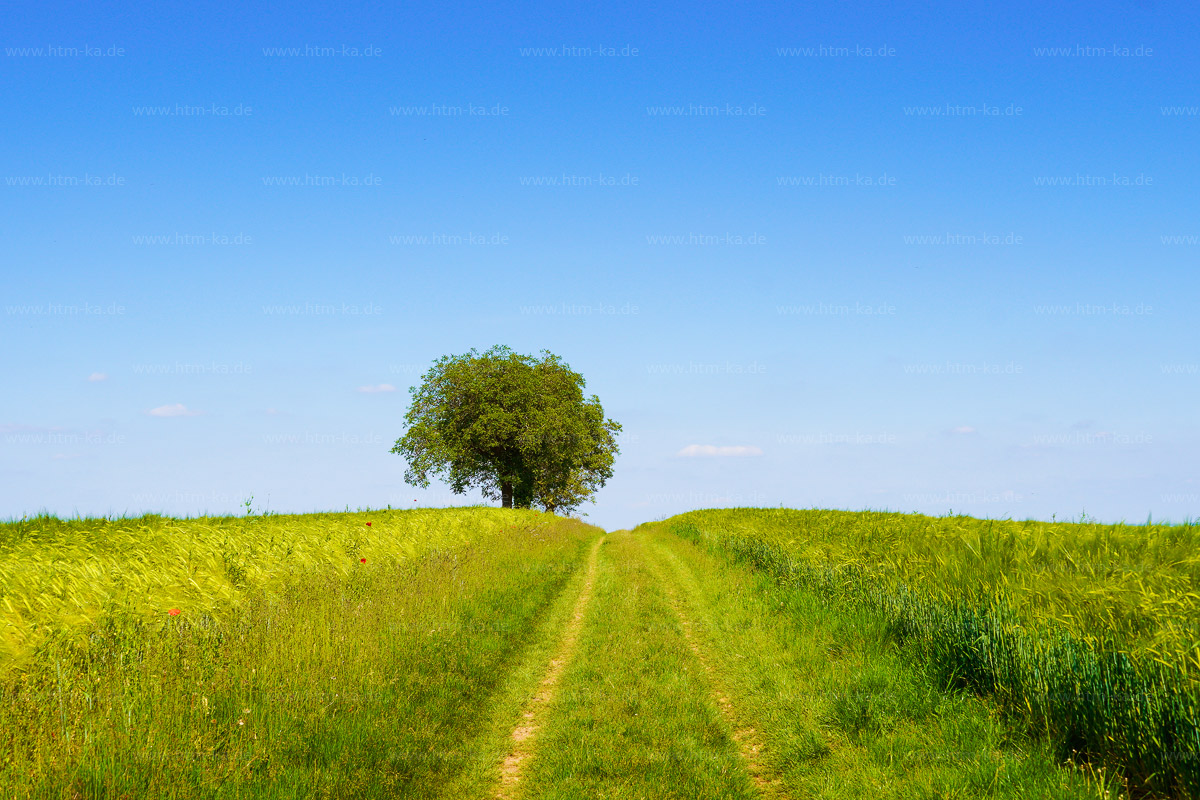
(173, 410)
(383, 387)
(963, 430)
(708, 450)
(97, 376)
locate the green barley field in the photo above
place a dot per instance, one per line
(483, 653)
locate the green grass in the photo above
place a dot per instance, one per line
(376, 683)
(58, 575)
(1031, 615)
(839, 709)
(1131, 585)
(633, 717)
(744, 653)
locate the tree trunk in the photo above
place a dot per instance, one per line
(506, 495)
(523, 490)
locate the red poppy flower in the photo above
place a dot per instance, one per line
(174, 612)
(362, 561)
(368, 524)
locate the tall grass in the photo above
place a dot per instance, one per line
(1087, 632)
(839, 709)
(342, 679)
(58, 575)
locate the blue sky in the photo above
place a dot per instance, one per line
(843, 255)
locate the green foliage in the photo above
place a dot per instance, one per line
(517, 428)
(1089, 633)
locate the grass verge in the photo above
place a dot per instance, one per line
(1093, 692)
(841, 711)
(379, 683)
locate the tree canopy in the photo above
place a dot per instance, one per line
(516, 427)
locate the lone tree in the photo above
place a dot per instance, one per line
(516, 427)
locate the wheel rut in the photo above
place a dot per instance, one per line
(746, 738)
(525, 734)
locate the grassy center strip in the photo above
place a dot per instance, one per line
(840, 711)
(633, 716)
(747, 738)
(523, 736)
